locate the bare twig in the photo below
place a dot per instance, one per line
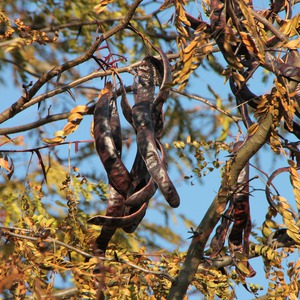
(205, 101)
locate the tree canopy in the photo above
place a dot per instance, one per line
(106, 105)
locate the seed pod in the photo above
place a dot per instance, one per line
(125, 105)
(117, 222)
(117, 173)
(115, 125)
(163, 67)
(142, 120)
(144, 194)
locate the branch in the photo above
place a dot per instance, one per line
(60, 294)
(281, 36)
(38, 123)
(79, 23)
(47, 240)
(196, 250)
(18, 106)
(53, 118)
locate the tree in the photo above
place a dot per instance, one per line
(132, 65)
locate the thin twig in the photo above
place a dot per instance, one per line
(47, 240)
(205, 101)
(281, 36)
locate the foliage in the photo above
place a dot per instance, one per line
(136, 67)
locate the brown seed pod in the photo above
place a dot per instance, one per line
(106, 140)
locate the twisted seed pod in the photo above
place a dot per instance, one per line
(115, 125)
(142, 120)
(146, 193)
(164, 68)
(125, 105)
(117, 173)
(123, 221)
(149, 169)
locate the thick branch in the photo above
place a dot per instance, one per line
(56, 71)
(38, 123)
(196, 250)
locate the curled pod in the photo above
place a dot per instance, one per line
(163, 72)
(139, 174)
(147, 191)
(164, 68)
(117, 173)
(238, 239)
(142, 195)
(142, 120)
(125, 105)
(119, 222)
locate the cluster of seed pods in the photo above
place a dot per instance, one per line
(130, 191)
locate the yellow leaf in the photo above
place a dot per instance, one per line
(242, 267)
(101, 6)
(59, 133)
(4, 163)
(252, 129)
(79, 109)
(251, 45)
(69, 128)
(188, 139)
(75, 118)
(293, 44)
(55, 140)
(291, 27)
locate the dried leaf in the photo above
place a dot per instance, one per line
(75, 117)
(291, 27)
(55, 140)
(252, 129)
(251, 45)
(79, 109)
(69, 128)
(101, 6)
